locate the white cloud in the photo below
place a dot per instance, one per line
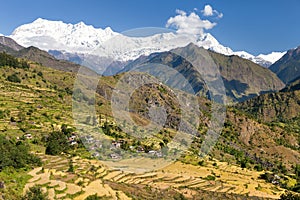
(208, 11)
(180, 12)
(189, 24)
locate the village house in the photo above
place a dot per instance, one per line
(28, 136)
(73, 137)
(155, 153)
(140, 149)
(96, 154)
(116, 144)
(72, 143)
(115, 156)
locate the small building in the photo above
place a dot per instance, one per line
(155, 153)
(96, 154)
(115, 156)
(152, 152)
(89, 139)
(140, 149)
(98, 144)
(159, 154)
(28, 136)
(73, 137)
(121, 141)
(116, 144)
(72, 143)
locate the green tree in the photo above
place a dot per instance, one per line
(71, 167)
(35, 193)
(14, 78)
(65, 130)
(297, 171)
(243, 163)
(40, 74)
(16, 154)
(8, 60)
(93, 197)
(56, 143)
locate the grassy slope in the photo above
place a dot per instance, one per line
(40, 104)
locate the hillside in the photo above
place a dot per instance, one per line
(279, 106)
(242, 78)
(10, 43)
(288, 67)
(39, 103)
(294, 85)
(34, 54)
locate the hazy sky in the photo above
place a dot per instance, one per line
(256, 26)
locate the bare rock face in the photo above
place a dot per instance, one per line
(6, 41)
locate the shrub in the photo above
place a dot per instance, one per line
(40, 74)
(16, 155)
(267, 177)
(93, 197)
(290, 196)
(210, 178)
(14, 78)
(8, 60)
(35, 193)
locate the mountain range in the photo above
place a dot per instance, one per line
(242, 78)
(261, 129)
(101, 48)
(108, 53)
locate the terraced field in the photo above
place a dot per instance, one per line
(92, 177)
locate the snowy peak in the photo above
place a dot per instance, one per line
(208, 41)
(244, 54)
(265, 60)
(272, 57)
(58, 35)
(85, 40)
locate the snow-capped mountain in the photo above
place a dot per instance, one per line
(57, 35)
(208, 41)
(262, 59)
(84, 39)
(94, 45)
(272, 57)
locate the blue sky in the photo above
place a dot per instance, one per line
(257, 26)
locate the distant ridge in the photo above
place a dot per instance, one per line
(31, 53)
(242, 78)
(288, 67)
